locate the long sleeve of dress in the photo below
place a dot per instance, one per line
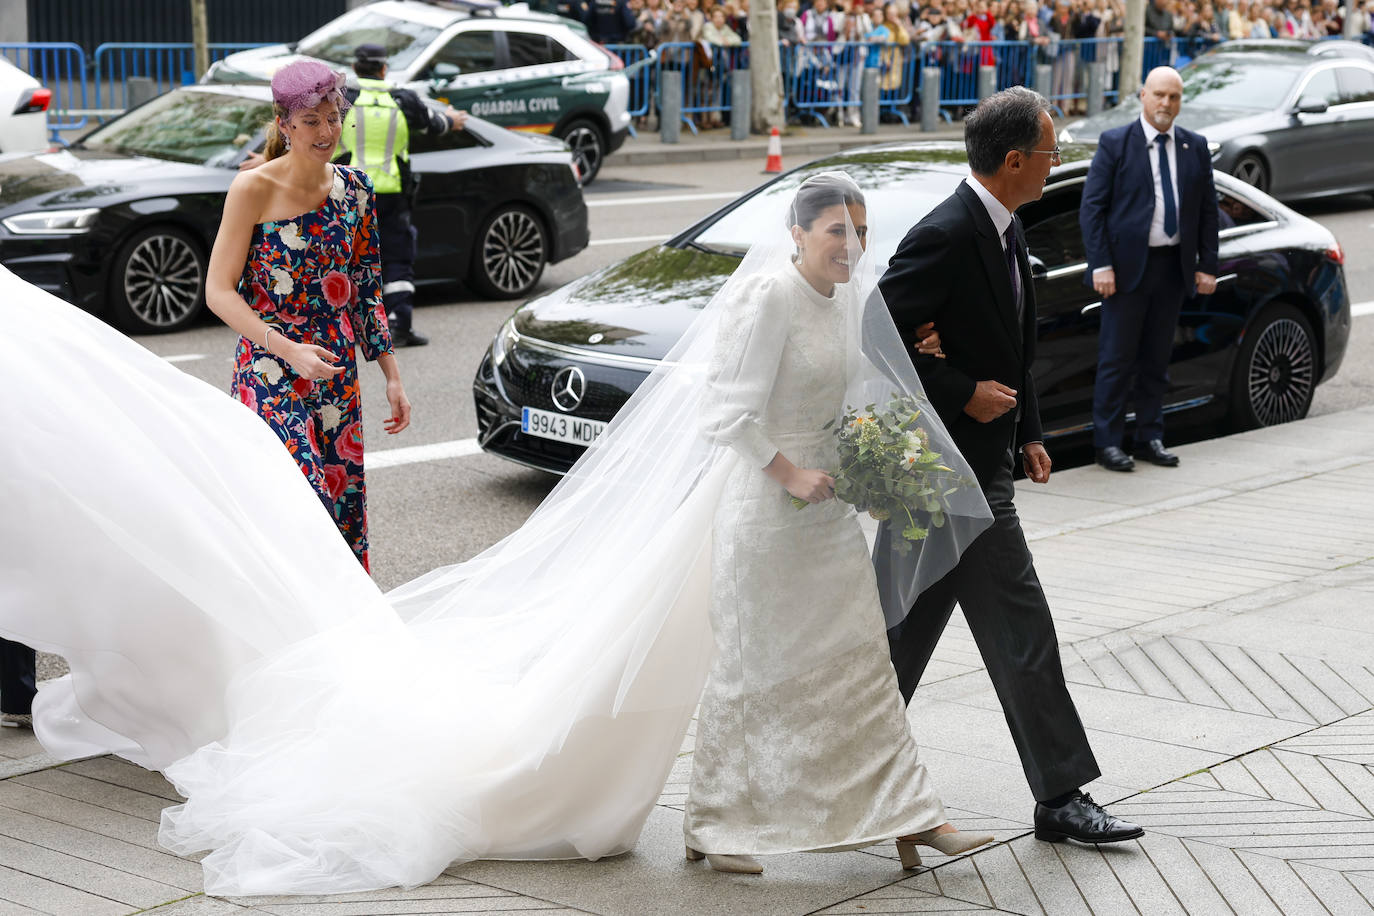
(368, 315)
(749, 346)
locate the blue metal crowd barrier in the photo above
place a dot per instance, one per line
(167, 64)
(824, 76)
(705, 86)
(641, 83)
(899, 79)
(61, 68)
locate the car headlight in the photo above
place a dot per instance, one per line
(504, 340)
(52, 222)
(1214, 148)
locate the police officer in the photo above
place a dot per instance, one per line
(376, 138)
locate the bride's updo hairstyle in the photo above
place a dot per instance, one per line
(820, 192)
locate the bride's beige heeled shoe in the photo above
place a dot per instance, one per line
(735, 865)
(950, 844)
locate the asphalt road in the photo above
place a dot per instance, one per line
(429, 511)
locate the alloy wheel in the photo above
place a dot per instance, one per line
(585, 144)
(1251, 171)
(513, 252)
(1282, 370)
(162, 281)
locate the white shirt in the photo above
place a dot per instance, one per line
(1001, 216)
(1157, 236)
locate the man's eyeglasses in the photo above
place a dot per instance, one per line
(1052, 153)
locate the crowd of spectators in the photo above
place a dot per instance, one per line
(892, 34)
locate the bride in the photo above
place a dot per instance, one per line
(526, 704)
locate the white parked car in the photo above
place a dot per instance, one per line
(23, 111)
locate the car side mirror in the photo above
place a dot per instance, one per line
(443, 73)
(1311, 108)
(1037, 266)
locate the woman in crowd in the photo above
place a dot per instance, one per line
(296, 271)
(722, 40)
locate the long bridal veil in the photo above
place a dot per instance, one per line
(525, 704)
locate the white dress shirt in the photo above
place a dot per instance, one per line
(1157, 236)
(1001, 216)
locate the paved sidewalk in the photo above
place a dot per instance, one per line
(1217, 635)
(799, 143)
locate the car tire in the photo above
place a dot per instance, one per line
(588, 145)
(511, 251)
(1252, 169)
(157, 282)
(1276, 370)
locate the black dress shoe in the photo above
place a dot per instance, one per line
(1155, 453)
(407, 338)
(1114, 459)
(1084, 820)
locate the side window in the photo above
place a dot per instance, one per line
(425, 142)
(1321, 88)
(528, 49)
(1052, 232)
(471, 52)
(1357, 85)
(1233, 212)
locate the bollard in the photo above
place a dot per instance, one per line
(670, 105)
(868, 96)
(1044, 79)
(140, 89)
(987, 81)
(1097, 81)
(741, 101)
(930, 98)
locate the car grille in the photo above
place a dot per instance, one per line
(527, 377)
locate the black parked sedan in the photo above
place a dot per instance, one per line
(1252, 353)
(1291, 119)
(122, 222)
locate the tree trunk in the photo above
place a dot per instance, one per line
(200, 37)
(1132, 50)
(765, 68)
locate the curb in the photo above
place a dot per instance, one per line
(647, 150)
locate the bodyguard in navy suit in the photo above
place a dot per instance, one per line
(1149, 220)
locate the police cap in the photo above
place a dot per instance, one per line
(370, 53)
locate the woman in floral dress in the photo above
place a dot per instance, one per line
(296, 271)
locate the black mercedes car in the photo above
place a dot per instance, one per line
(122, 222)
(1252, 354)
(1293, 119)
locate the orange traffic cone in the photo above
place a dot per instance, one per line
(774, 161)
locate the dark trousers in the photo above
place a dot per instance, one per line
(1134, 345)
(398, 258)
(18, 667)
(996, 585)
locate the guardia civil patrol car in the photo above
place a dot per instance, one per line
(521, 69)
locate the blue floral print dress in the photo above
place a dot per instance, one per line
(317, 279)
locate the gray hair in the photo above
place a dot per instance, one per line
(1002, 122)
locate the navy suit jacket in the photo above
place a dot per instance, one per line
(1119, 202)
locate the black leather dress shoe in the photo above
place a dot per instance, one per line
(1155, 453)
(1084, 820)
(1114, 459)
(407, 338)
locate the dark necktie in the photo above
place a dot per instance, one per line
(1166, 182)
(1009, 237)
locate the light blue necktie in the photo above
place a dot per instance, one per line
(1167, 183)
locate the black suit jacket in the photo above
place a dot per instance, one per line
(1119, 203)
(950, 270)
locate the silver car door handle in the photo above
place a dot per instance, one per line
(1227, 277)
(1088, 308)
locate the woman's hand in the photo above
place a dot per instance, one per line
(928, 342)
(400, 407)
(811, 485)
(309, 361)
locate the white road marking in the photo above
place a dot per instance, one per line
(184, 357)
(618, 201)
(437, 451)
(1362, 308)
(629, 240)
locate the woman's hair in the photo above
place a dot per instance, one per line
(276, 143)
(820, 192)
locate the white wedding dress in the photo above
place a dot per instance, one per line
(802, 741)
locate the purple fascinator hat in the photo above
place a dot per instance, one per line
(304, 84)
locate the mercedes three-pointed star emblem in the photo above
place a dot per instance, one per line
(569, 387)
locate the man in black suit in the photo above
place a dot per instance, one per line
(1149, 220)
(17, 687)
(964, 267)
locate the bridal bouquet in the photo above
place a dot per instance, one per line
(888, 469)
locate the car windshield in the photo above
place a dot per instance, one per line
(1232, 82)
(404, 40)
(186, 125)
(899, 187)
